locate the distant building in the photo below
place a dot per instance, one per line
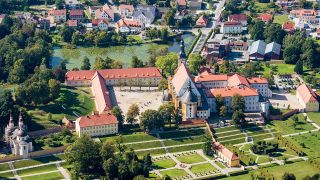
(217, 47)
(305, 15)
(100, 24)
(259, 50)
(104, 13)
(17, 138)
(228, 157)
(58, 15)
(285, 3)
(73, 4)
(129, 26)
(126, 11)
(242, 18)
(288, 26)
(202, 21)
(195, 5)
(72, 23)
(145, 14)
(76, 14)
(307, 98)
(231, 27)
(265, 17)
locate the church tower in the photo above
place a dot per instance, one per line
(9, 129)
(182, 55)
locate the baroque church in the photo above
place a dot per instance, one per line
(17, 138)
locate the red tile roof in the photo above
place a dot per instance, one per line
(257, 80)
(226, 152)
(97, 120)
(202, 21)
(181, 2)
(96, 22)
(56, 12)
(265, 17)
(150, 72)
(76, 12)
(236, 80)
(237, 17)
(232, 23)
(125, 6)
(128, 23)
(231, 91)
(101, 93)
(72, 23)
(211, 77)
(288, 26)
(307, 94)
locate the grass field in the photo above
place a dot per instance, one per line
(194, 139)
(299, 169)
(190, 159)
(74, 100)
(185, 148)
(179, 134)
(315, 117)
(36, 161)
(6, 175)
(144, 145)
(202, 168)
(37, 170)
(261, 7)
(151, 152)
(49, 176)
(4, 167)
(135, 137)
(220, 164)
(219, 130)
(164, 164)
(232, 142)
(174, 173)
(310, 143)
(280, 69)
(280, 19)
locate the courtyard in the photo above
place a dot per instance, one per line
(144, 98)
(285, 100)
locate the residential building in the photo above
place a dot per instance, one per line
(92, 10)
(181, 4)
(129, 26)
(17, 138)
(76, 14)
(58, 15)
(288, 26)
(72, 23)
(145, 14)
(195, 5)
(73, 4)
(100, 24)
(126, 11)
(242, 18)
(259, 50)
(217, 47)
(228, 157)
(202, 21)
(307, 98)
(305, 15)
(285, 3)
(97, 125)
(104, 13)
(231, 27)
(265, 17)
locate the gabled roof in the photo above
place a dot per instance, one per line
(202, 21)
(101, 93)
(257, 47)
(97, 120)
(181, 2)
(273, 47)
(72, 23)
(226, 152)
(123, 7)
(288, 26)
(236, 80)
(128, 23)
(211, 77)
(265, 17)
(231, 91)
(237, 17)
(56, 12)
(257, 80)
(232, 23)
(96, 22)
(76, 12)
(307, 94)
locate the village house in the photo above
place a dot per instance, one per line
(126, 11)
(76, 14)
(228, 157)
(307, 98)
(202, 21)
(145, 14)
(104, 13)
(285, 3)
(242, 18)
(73, 4)
(288, 26)
(58, 15)
(304, 15)
(100, 24)
(259, 50)
(265, 17)
(217, 47)
(129, 26)
(231, 27)
(72, 23)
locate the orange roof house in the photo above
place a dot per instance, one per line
(265, 17)
(307, 98)
(230, 158)
(231, 91)
(99, 89)
(72, 23)
(202, 21)
(288, 26)
(97, 120)
(237, 80)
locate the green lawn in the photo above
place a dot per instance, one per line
(220, 164)
(174, 173)
(261, 7)
(202, 168)
(188, 140)
(235, 136)
(73, 99)
(135, 137)
(190, 159)
(310, 143)
(280, 19)
(263, 159)
(232, 142)
(185, 148)
(6, 175)
(36, 161)
(151, 152)
(4, 167)
(164, 164)
(184, 133)
(220, 135)
(280, 69)
(49, 176)
(144, 145)
(40, 169)
(219, 130)
(315, 117)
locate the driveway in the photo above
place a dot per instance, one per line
(282, 100)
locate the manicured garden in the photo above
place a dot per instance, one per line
(6, 175)
(182, 133)
(280, 68)
(188, 140)
(315, 117)
(144, 145)
(37, 161)
(135, 137)
(203, 168)
(185, 148)
(164, 164)
(280, 19)
(49, 176)
(190, 159)
(174, 173)
(4, 167)
(35, 170)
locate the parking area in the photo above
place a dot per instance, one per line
(285, 100)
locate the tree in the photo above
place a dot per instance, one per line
(150, 120)
(76, 38)
(195, 62)
(219, 102)
(166, 112)
(107, 150)
(223, 111)
(291, 54)
(85, 64)
(237, 103)
(274, 33)
(59, 4)
(102, 63)
(167, 63)
(54, 88)
(136, 63)
(163, 84)
(116, 65)
(6, 106)
(149, 83)
(18, 73)
(84, 156)
(133, 112)
(288, 176)
(111, 168)
(256, 30)
(66, 33)
(169, 17)
(237, 117)
(298, 68)
(117, 112)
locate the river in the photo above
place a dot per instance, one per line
(74, 57)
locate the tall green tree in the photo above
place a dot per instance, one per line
(116, 111)
(167, 63)
(237, 103)
(18, 73)
(150, 120)
(274, 33)
(256, 30)
(136, 63)
(195, 62)
(85, 64)
(298, 68)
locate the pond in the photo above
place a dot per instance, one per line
(74, 57)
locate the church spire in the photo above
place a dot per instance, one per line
(182, 51)
(20, 121)
(11, 122)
